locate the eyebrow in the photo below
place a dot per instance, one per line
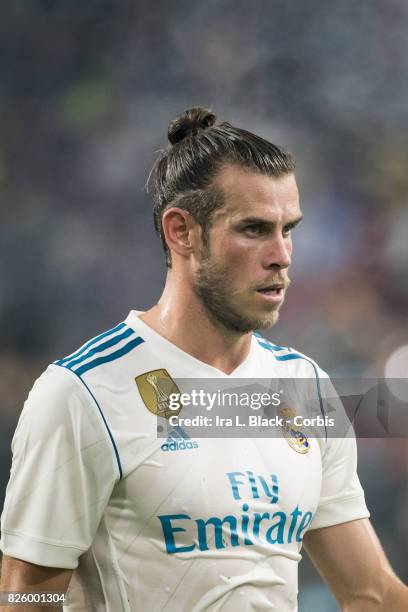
(260, 220)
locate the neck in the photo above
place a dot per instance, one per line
(180, 317)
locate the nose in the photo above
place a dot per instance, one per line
(279, 251)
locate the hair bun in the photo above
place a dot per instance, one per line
(194, 119)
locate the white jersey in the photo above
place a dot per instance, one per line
(176, 525)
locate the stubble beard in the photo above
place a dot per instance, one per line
(221, 301)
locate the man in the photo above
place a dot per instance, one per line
(95, 501)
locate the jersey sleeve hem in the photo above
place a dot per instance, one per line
(40, 552)
(340, 511)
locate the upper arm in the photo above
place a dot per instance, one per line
(62, 475)
(351, 560)
(18, 575)
(341, 541)
(341, 495)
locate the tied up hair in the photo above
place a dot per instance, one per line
(198, 147)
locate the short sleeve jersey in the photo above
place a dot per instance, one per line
(174, 525)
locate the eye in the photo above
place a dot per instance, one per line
(288, 228)
(255, 229)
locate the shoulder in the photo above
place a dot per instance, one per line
(57, 405)
(73, 390)
(291, 361)
(63, 411)
(106, 355)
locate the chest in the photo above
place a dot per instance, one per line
(218, 493)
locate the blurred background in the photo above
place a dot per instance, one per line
(86, 92)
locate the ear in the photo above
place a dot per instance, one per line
(180, 231)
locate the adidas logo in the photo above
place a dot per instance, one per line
(174, 445)
(178, 439)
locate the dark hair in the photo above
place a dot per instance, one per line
(199, 147)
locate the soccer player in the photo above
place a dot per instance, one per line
(130, 522)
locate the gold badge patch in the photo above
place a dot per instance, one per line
(155, 388)
(294, 436)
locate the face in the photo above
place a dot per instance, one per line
(242, 276)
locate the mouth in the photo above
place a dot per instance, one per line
(273, 293)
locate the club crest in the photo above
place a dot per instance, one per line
(293, 434)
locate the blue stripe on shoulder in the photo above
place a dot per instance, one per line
(111, 357)
(69, 364)
(298, 356)
(288, 357)
(271, 347)
(90, 343)
(101, 347)
(104, 420)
